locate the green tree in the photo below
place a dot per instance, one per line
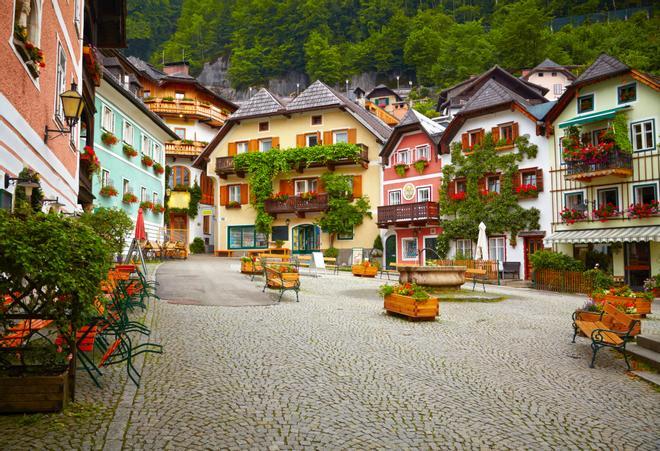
(111, 224)
(323, 60)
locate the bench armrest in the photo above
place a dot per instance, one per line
(597, 334)
(576, 315)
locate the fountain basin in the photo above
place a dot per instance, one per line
(434, 276)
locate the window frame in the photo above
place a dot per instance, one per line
(308, 181)
(174, 173)
(243, 229)
(571, 193)
(316, 116)
(106, 109)
(498, 183)
(127, 126)
(644, 185)
(60, 81)
(179, 95)
(608, 188)
(309, 136)
(622, 87)
(426, 150)
(206, 224)
(265, 129)
(234, 193)
(475, 137)
(389, 196)
(464, 241)
(424, 188)
(585, 96)
(404, 255)
(241, 144)
(105, 177)
(497, 239)
(145, 139)
(346, 237)
(178, 129)
(143, 194)
(643, 133)
(156, 152)
(155, 198)
(125, 186)
(262, 141)
(506, 127)
(336, 132)
(398, 153)
(528, 172)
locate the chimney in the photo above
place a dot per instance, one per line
(177, 67)
(525, 72)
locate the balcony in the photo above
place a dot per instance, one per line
(615, 163)
(225, 165)
(297, 205)
(188, 108)
(184, 148)
(419, 213)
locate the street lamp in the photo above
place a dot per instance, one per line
(56, 206)
(72, 106)
(397, 82)
(27, 184)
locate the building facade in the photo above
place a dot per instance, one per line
(550, 75)
(605, 208)
(408, 215)
(318, 116)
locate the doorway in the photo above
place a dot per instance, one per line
(306, 239)
(178, 228)
(532, 244)
(390, 251)
(637, 264)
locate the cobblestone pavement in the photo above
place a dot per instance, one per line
(334, 372)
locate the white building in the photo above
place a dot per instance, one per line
(551, 76)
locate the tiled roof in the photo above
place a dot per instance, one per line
(415, 117)
(548, 64)
(263, 102)
(491, 94)
(604, 66)
(315, 96)
(146, 68)
(369, 120)
(539, 111)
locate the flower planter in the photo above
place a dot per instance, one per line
(251, 268)
(364, 271)
(586, 315)
(409, 307)
(642, 305)
(32, 393)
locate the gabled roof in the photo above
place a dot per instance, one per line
(263, 102)
(549, 65)
(382, 90)
(605, 66)
(413, 120)
(317, 95)
(491, 94)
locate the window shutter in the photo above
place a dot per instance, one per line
(451, 188)
(465, 141)
(253, 145)
(320, 186)
(483, 184)
(224, 195)
(482, 133)
(357, 186)
(300, 140)
(516, 180)
(286, 187)
(231, 149)
(276, 142)
(514, 127)
(318, 138)
(352, 136)
(245, 191)
(495, 131)
(327, 138)
(539, 180)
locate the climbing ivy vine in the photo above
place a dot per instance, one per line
(500, 212)
(344, 213)
(263, 167)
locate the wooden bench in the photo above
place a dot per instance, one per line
(601, 331)
(282, 281)
(224, 253)
(477, 275)
(512, 268)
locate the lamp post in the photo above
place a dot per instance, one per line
(56, 206)
(397, 82)
(27, 184)
(72, 106)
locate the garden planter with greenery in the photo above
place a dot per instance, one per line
(108, 191)
(409, 300)
(158, 169)
(129, 151)
(365, 269)
(147, 160)
(249, 265)
(108, 138)
(288, 274)
(401, 169)
(129, 198)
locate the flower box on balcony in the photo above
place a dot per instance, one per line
(606, 212)
(158, 168)
(571, 216)
(108, 138)
(420, 165)
(401, 169)
(147, 160)
(642, 210)
(129, 198)
(234, 204)
(129, 151)
(108, 191)
(527, 191)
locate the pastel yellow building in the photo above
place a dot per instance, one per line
(318, 116)
(605, 197)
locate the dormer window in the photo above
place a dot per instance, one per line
(179, 95)
(264, 126)
(585, 103)
(540, 74)
(626, 93)
(317, 120)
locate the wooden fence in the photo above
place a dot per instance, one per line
(562, 281)
(490, 266)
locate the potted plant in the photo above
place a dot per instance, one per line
(158, 168)
(146, 205)
(279, 244)
(400, 169)
(605, 212)
(108, 138)
(234, 204)
(288, 272)
(108, 191)
(129, 151)
(652, 285)
(32, 55)
(147, 160)
(410, 300)
(129, 198)
(590, 311)
(527, 190)
(157, 208)
(280, 197)
(571, 215)
(310, 195)
(623, 295)
(457, 197)
(249, 265)
(642, 210)
(420, 165)
(93, 163)
(365, 269)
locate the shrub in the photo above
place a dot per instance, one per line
(331, 252)
(378, 243)
(112, 225)
(197, 246)
(599, 279)
(555, 260)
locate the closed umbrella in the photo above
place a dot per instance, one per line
(482, 243)
(140, 233)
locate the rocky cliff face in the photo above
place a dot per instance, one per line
(215, 77)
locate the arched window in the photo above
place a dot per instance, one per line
(27, 16)
(180, 175)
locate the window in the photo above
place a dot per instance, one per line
(585, 103)
(423, 153)
(554, 74)
(395, 197)
(127, 134)
(206, 224)
(464, 249)
(424, 194)
(493, 184)
(27, 15)
(241, 237)
(403, 156)
(126, 188)
(557, 89)
(312, 139)
(180, 132)
(528, 177)
(475, 137)
(597, 135)
(305, 185)
(264, 126)
(574, 200)
(345, 236)
(235, 193)
(382, 102)
(409, 248)
(179, 95)
(180, 175)
(265, 144)
(105, 178)
(146, 147)
(643, 135)
(645, 194)
(143, 194)
(608, 196)
(154, 198)
(461, 186)
(146, 94)
(496, 248)
(626, 93)
(156, 153)
(317, 120)
(108, 119)
(60, 81)
(242, 147)
(506, 133)
(279, 233)
(340, 137)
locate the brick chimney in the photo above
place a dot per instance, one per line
(177, 67)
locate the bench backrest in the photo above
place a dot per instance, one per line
(511, 266)
(617, 316)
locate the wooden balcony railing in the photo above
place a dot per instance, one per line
(419, 213)
(211, 114)
(191, 148)
(297, 205)
(616, 163)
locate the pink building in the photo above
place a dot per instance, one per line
(411, 183)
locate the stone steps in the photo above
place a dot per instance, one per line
(516, 283)
(653, 378)
(649, 342)
(647, 349)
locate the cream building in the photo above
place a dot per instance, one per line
(319, 115)
(551, 76)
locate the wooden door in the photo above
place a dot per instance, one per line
(532, 244)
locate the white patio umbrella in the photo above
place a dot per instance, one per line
(482, 244)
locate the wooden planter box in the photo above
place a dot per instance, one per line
(409, 307)
(364, 271)
(585, 315)
(642, 305)
(31, 394)
(250, 268)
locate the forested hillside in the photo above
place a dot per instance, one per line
(435, 42)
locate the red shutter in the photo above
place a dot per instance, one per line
(482, 184)
(482, 133)
(286, 187)
(465, 141)
(224, 195)
(231, 149)
(352, 136)
(495, 131)
(357, 186)
(516, 180)
(539, 180)
(451, 188)
(516, 132)
(320, 186)
(245, 191)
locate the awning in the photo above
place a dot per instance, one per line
(623, 234)
(593, 117)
